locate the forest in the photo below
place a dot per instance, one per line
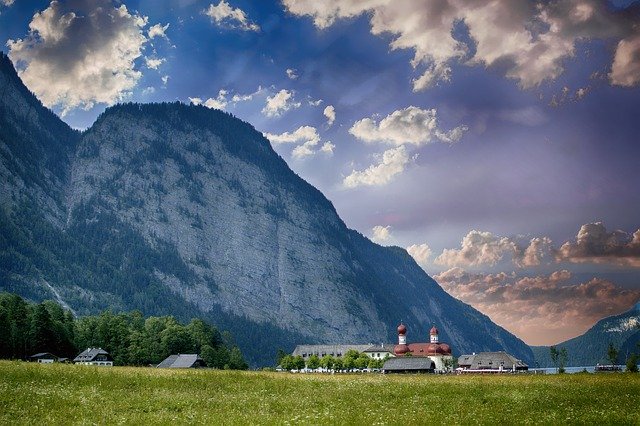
(131, 339)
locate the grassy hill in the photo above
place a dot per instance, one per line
(69, 394)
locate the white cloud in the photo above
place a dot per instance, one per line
(478, 248)
(292, 73)
(330, 113)
(594, 244)
(543, 309)
(148, 90)
(393, 162)
(165, 79)
(154, 63)
(64, 72)
(225, 15)
(315, 103)
(307, 139)
(220, 102)
(528, 40)
(381, 234)
(7, 2)
(538, 251)
(420, 253)
(327, 148)
(157, 30)
(279, 103)
(411, 125)
(625, 70)
(302, 134)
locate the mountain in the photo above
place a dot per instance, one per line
(591, 348)
(184, 210)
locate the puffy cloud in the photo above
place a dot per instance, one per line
(543, 309)
(225, 15)
(306, 137)
(220, 102)
(594, 244)
(421, 253)
(393, 162)
(300, 135)
(478, 248)
(154, 63)
(411, 125)
(7, 2)
(292, 73)
(279, 103)
(79, 53)
(330, 113)
(381, 234)
(539, 250)
(327, 148)
(529, 40)
(157, 30)
(625, 70)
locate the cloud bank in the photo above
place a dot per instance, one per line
(542, 310)
(528, 40)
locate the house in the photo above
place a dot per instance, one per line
(305, 351)
(409, 364)
(182, 361)
(380, 351)
(94, 356)
(439, 353)
(45, 358)
(490, 362)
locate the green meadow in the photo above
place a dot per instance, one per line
(70, 394)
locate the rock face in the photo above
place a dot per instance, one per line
(175, 209)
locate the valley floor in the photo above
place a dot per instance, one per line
(70, 394)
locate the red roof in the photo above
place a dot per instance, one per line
(402, 329)
(423, 349)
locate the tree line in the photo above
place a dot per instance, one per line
(131, 339)
(351, 360)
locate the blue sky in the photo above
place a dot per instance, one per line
(497, 141)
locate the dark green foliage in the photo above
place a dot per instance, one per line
(612, 353)
(632, 363)
(129, 337)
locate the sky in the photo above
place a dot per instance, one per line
(497, 141)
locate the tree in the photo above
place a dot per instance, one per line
(42, 332)
(562, 360)
(338, 364)
(279, 355)
(236, 360)
(327, 362)
(298, 362)
(314, 362)
(632, 363)
(554, 353)
(612, 353)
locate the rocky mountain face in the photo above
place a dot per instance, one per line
(183, 210)
(623, 331)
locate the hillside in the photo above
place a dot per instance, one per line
(183, 210)
(591, 348)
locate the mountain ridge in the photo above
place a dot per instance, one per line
(179, 209)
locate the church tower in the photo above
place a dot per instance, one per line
(434, 334)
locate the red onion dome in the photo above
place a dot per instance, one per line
(434, 330)
(402, 329)
(400, 349)
(446, 349)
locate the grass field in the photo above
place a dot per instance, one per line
(69, 394)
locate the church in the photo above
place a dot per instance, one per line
(438, 353)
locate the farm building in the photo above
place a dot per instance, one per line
(439, 353)
(182, 361)
(487, 362)
(45, 358)
(409, 364)
(381, 351)
(94, 356)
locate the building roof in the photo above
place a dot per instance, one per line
(408, 363)
(182, 361)
(383, 347)
(43, 355)
(335, 350)
(90, 354)
(491, 360)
